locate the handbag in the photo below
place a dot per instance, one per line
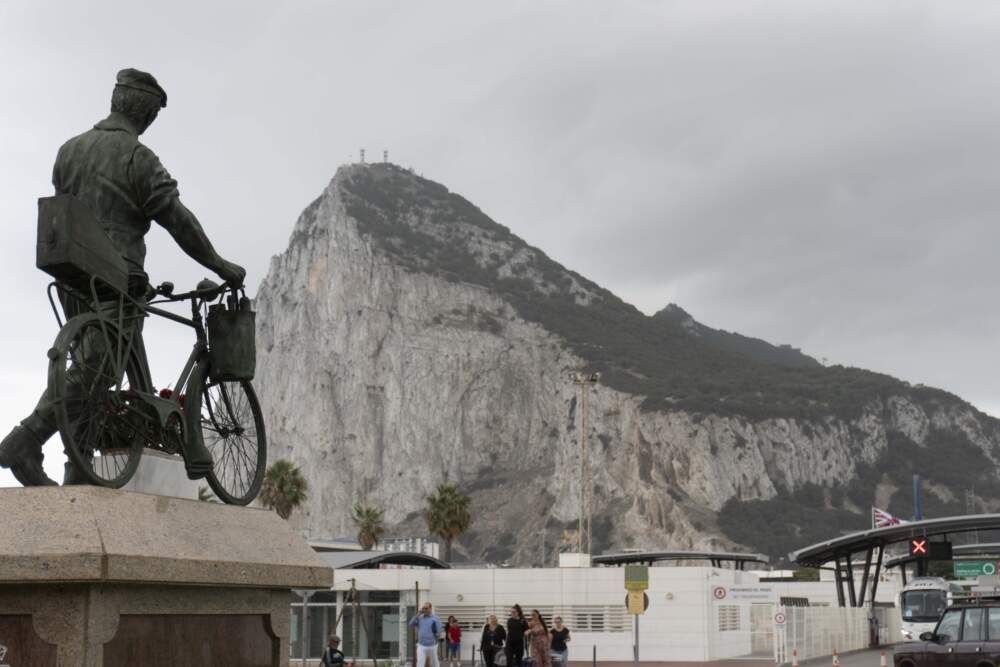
(232, 347)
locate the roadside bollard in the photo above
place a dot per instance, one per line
(836, 659)
(795, 657)
(881, 661)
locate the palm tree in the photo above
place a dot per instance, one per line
(448, 515)
(284, 487)
(370, 524)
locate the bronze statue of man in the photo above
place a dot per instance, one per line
(126, 187)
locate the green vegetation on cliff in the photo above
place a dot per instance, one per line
(812, 514)
(672, 362)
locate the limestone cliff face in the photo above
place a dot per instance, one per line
(382, 380)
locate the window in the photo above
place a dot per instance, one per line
(923, 606)
(973, 629)
(729, 617)
(949, 626)
(994, 614)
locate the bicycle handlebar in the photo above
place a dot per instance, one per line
(205, 290)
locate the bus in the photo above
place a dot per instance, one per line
(922, 602)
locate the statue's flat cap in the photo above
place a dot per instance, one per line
(144, 81)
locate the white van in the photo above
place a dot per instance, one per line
(922, 602)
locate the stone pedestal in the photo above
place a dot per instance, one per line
(95, 577)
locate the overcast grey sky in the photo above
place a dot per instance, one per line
(818, 173)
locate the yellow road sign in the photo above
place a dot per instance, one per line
(636, 577)
(636, 602)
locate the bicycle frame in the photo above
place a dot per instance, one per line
(126, 312)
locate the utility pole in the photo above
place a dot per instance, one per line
(584, 382)
(970, 505)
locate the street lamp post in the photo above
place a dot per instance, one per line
(584, 382)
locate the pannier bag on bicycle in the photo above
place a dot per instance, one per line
(73, 246)
(232, 346)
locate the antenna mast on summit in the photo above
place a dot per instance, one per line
(362, 156)
(385, 156)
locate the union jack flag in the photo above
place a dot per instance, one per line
(882, 519)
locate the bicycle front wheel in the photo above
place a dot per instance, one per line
(228, 419)
(91, 385)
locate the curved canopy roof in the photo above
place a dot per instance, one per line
(650, 557)
(824, 552)
(371, 560)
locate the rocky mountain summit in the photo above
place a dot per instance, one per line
(406, 339)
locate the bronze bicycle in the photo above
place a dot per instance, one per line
(106, 406)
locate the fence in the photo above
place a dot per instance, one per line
(818, 631)
(581, 618)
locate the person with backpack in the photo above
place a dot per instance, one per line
(428, 627)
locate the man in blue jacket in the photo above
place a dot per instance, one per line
(428, 627)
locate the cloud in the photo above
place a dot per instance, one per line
(822, 174)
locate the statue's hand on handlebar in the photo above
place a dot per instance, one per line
(231, 273)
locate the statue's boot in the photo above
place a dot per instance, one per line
(21, 451)
(72, 475)
(198, 460)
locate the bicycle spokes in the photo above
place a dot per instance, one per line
(102, 422)
(232, 430)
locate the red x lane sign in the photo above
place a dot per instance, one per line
(918, 546)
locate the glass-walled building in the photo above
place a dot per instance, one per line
(370, 616)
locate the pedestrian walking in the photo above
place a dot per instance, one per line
(428, 627)
(516, 627)
(454, 638)
(538, 635)
(332, 656)
(494, 638)
(560, 637)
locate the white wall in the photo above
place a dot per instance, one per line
(681, 624)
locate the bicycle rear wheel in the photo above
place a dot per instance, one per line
(91, 383)
(228, 419)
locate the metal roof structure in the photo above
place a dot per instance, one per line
(716, 558)
(824, 552)
(840, 550)
(371, 560)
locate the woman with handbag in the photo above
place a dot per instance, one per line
(492, 643)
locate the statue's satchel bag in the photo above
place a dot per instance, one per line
(73, 247)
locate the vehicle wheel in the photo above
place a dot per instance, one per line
(102, 423)
(227, 418)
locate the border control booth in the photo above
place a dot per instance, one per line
(865, 551)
